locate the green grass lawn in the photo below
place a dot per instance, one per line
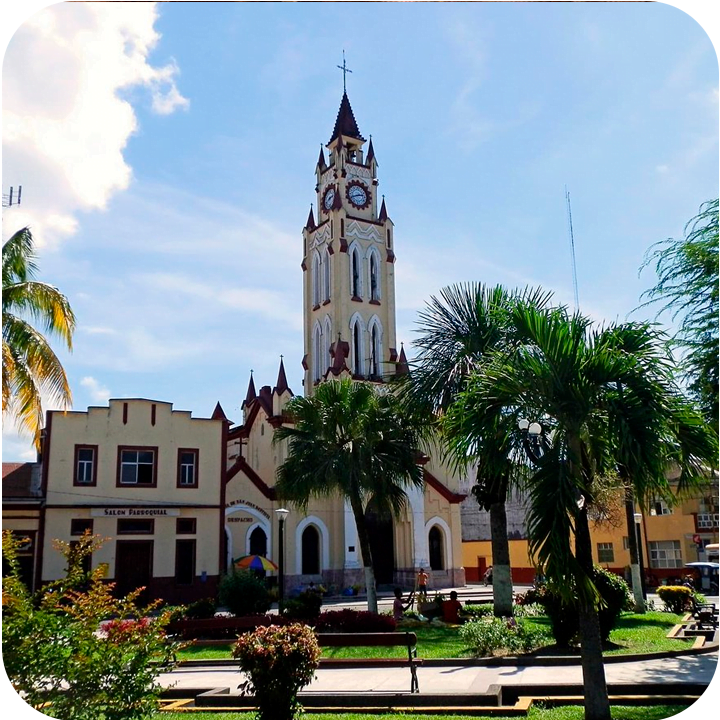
(570, 712)
(633, 634)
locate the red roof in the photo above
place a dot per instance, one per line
(345, 123)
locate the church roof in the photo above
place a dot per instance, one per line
(321, 160)
(402, 367)
(383, 212)
(310, 224)
(371, 151)
(282, 384)
(251, 394)
(345, 123)
(219, 413)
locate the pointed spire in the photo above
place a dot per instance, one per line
(251, 394)
(218, 413)
(282, 384)
(383, 216)
(321, 160)
(402, 367)
(310, 224)
(371, 152)
(345, 123)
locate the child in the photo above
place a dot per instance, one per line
(422, 578)
(398, 607)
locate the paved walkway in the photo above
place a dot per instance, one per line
(456, 679)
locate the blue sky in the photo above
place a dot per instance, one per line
(167, 158)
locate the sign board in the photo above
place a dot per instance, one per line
(125, 512)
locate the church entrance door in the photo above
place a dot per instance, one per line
(382, 543)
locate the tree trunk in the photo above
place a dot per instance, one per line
(501, 577)
(365, 552)
(634, 551)
(597, 702)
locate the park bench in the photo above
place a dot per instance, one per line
(704, 614)
(227, 628)
(386, 639)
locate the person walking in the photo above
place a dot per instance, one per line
(487, 578)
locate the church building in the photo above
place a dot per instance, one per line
(180, 498)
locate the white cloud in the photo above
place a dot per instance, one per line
(98, 392)
(65, 126)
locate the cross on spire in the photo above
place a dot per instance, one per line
(345, 71)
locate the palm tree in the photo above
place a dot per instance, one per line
(459, 330)
(687, 286)
(351, 441)
(605, 399)
(30, 367)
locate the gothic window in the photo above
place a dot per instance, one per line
(376, 352)
(310, 551)
(355, 273)
(317, 353)
(374, 277)
(316, 279)
(436, 547)
(327, 334)
(258, 542)
(357, 342)
(326, 275)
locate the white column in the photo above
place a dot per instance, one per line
(421, 554)
(352, 556)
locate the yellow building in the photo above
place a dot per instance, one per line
(670, 537)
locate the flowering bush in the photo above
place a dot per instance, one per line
(675, 597)
(490, 634)
(280, 662)
(55, 656)
(305, 607)
(349, 621)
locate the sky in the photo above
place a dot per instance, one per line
(166, 154)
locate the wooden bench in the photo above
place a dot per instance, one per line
(386, 639)
(704, 614)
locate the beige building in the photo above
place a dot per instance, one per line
(150, 480)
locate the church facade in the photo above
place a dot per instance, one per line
(181, 498)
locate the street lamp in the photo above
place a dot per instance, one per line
(637, 517)
(281, 513)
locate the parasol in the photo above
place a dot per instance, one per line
(254, 562)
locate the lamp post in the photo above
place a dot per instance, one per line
(637, 517)
(281, 513)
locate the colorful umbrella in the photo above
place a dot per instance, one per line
(254, 562)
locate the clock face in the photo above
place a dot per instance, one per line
(329, 198)
(358, 194)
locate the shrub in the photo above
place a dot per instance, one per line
(200, 609)
(53, 652)
(481, 610)
(350, 621)
(243, 593)
(280, 662)
(306, 606)
(675, 597)
(616, 596)
(490, 634)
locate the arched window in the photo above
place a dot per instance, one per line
(327, 335)
(317, 360)
(437, 550)
(374, 353)
(355, 273)
(357, 350)
(374, 277)
(326, 275)
(258, 542)
(316, 279)
(310, 551)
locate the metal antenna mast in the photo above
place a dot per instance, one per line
(572, 249)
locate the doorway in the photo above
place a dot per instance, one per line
(382, 543)
(133, 566)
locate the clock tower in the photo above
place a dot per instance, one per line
(348, 265)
